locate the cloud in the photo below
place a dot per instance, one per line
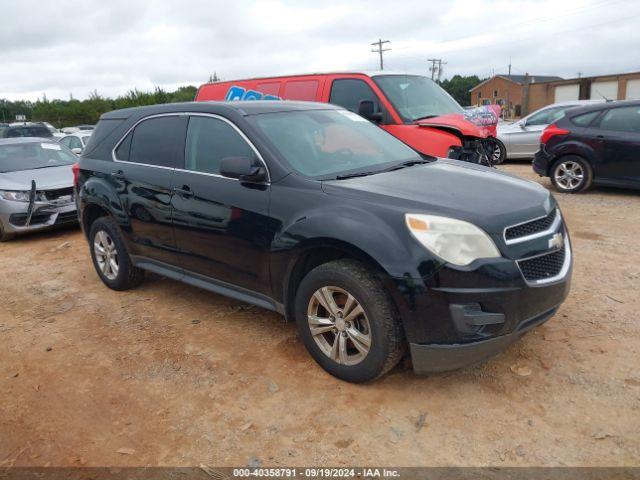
(62, 48)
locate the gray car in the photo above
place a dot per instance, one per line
(36, 186)
(521, 139)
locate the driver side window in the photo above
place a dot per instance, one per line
(349, 92)
(545, 117)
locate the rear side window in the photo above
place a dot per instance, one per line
(157, 141)
(209, 140)
(624, 119)
(301, 90)
(585, 119)
(349, 92)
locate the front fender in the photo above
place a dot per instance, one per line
(381, 240)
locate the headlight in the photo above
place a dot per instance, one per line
(455, 241)
(15, 196)
(21, 196)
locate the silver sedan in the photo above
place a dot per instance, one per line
(36, 186)
(521, 139)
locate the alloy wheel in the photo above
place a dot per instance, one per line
(569, 175)
(106, 254)
(339, 325)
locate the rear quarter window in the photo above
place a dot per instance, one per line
(585, 119)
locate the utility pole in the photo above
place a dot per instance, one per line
(436, 70)
(379, 50)
(509, 66)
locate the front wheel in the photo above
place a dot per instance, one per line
(498, 152)
(348, 322)
(571, 174)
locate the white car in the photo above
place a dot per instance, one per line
(521, 139)
(76, 141)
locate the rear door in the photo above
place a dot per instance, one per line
(145, 161)
(222, 225)
(619, 131)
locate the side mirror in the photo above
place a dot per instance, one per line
(366, 110)
(522, 124)
(77, 150)
(244, 169)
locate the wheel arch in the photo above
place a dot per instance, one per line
(316, 252)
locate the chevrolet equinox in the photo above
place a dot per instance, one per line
(314, 212)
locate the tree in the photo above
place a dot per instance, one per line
(62, 113)
(458, 87)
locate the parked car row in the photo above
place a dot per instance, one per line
(336, 214)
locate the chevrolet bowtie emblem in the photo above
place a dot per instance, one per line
(557, 241)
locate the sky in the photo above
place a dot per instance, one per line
(63, 48)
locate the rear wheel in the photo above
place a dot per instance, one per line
(348, 321)
(571, 174)
(110, 257)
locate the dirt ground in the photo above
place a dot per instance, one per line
(171, 375)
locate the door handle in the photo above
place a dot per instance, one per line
(119, 175)
(184, 191)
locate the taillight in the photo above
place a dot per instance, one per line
(76, 172)
(551, 131)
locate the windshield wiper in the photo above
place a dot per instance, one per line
(357, 174)
(426, 117)
(397, 166)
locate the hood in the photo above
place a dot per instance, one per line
(477, 122)
(46, 178)
(480, 195)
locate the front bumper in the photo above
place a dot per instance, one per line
(441, 358)
(460, 316)
(13, 216)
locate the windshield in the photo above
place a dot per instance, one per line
(415, 97)
(324, 144)
(15, 157)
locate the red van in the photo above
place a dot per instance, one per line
(413, 108)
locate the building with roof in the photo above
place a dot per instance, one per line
(520, 95)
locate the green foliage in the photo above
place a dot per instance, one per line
(458, 87)
(65, 113)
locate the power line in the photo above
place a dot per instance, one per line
(436, 70)
(379, 50)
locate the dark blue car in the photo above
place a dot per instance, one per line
(598, 144)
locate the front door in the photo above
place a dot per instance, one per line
(143, 170)
(524, 140)
(222, 225)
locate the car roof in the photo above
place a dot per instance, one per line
(602, 106)
(250, 107)
(14, 140)
(81, 133)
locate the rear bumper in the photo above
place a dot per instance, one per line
(541, 162)
(441, 358)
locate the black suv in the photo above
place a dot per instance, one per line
(597, 144)
(310, 210)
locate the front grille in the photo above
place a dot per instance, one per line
(52, 195)
(530, 228)
(544, 266)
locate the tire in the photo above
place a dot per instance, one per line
(499, 154)
(105, 232)
(5, 237)
(378, 321)
(580, 174)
